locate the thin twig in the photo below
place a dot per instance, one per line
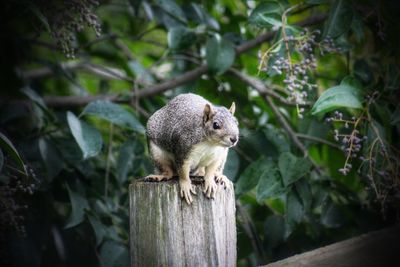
(259, 86)
(105, 37)
(317, 139)
(124, 48)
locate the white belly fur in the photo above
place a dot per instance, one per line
(206, 153)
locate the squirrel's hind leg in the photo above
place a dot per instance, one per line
(163, 162)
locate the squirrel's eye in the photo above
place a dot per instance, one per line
(216, 125)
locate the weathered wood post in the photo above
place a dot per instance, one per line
(166, 231)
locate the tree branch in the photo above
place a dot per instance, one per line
(174, 82)
(317, 139)
(78, 101)
(262, 88)
(192, 74)
(99, 70)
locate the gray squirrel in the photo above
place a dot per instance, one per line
(191, 136)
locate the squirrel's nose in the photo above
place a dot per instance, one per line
(233, 140)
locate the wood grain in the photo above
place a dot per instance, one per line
(166, 231)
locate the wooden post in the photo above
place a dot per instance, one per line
(166, 231)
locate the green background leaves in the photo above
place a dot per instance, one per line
(87, 137)
(9, 148)
(220, 54)
(78, 167)
(114, 113)
(340, 18)
(78, 206)
(344, 95)
(292, 168)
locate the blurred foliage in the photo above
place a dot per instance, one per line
(67, 157)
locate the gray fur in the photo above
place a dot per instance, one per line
(179, 125)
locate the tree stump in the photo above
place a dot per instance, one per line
(166, 231)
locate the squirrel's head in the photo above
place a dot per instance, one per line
(220, 125)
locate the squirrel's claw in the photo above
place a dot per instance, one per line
(222, 179)
(156, 178)
(210, 188)
(187, 189)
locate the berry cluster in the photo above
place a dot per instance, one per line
(66, 18)
(11, 210)
(296, 72)
(351, 142)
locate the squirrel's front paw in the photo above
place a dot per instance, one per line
(210, 188)
(222, 179)
(187, 189)
(155, 178)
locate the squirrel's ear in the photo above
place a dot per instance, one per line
(208, 112)
(232, 108)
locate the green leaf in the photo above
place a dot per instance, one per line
(264, 11)
(1, 160)
(180, 38)
(274, 230)
(363, 71)
(135, 4)
(51, 158)
(33, 96)
(114, 113)
(304, 191)
(141, 72)
(270, 184)
(277, 138)
(201, 16)
(352, 81)
(114, 254)
(9, 148)
(78, 206)
(344, 95)
(357, 26)
(320, 194)
(232, 165)
(251, 175)
(294, 209)
(36, 11)
(331, 216)
(292, 168)
(272, 20)
(392, 77)
(127, 153)
(254, 143)
(87, 137)
(69, 149)
(172, 9)
(316, 2)
(339, 20)
(220, 54)
(99, 229)
(395, 117)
